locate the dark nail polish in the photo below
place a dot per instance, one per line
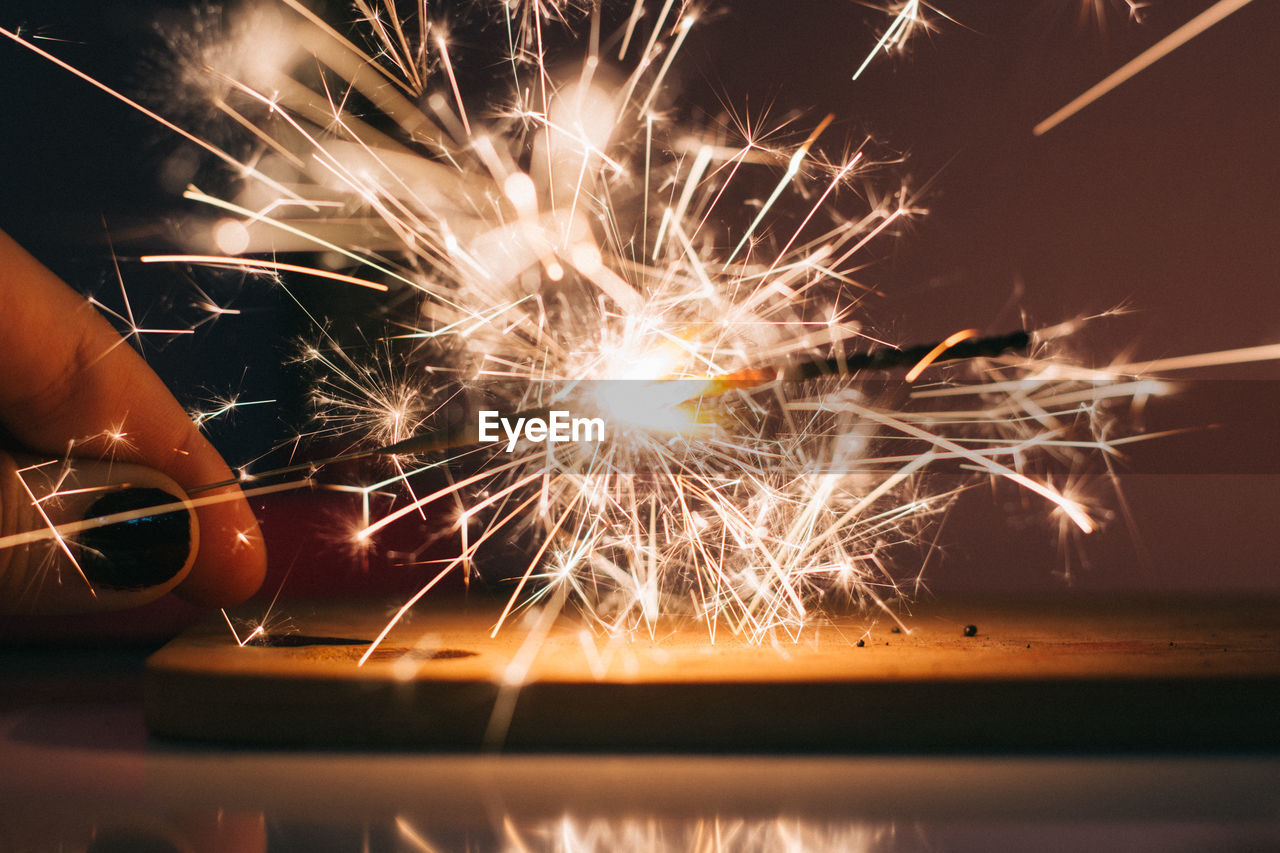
(139, 553)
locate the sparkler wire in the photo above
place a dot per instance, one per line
(877, 360)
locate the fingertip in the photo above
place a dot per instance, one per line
(123, 535)
(232, 561)
(69, 380)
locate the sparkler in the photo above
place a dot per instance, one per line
(575, 240)
(958, 346)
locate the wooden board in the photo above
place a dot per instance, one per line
(1045, 675)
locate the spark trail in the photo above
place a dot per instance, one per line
(566, 238)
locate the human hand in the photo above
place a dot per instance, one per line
(71, 387)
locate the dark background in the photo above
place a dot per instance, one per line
(1164, 197)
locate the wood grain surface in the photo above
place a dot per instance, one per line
(1128, 674)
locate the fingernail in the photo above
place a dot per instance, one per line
(138, 553)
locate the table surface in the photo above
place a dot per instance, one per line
(81, 772)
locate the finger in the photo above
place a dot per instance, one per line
(71, 382)
(64, 554)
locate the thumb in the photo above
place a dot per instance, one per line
(78, 536)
